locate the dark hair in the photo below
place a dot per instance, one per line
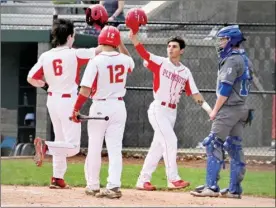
(179, 40)
(61, 29)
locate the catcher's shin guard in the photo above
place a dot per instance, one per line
(215, 158)
(237, 165)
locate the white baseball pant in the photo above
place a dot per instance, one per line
(164, 143)
(67, 133)
(112, 131)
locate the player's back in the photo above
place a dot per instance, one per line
(241, 86)
(237, 71)
(61, 69)
(112, 68)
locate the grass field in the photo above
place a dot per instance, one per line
(24, 172)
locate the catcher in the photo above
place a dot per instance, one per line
(229, 115)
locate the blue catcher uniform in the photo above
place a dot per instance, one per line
(234, 80)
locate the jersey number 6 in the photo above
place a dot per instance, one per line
(57, 67)
(116, 73)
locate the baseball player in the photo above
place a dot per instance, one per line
(104, 81)
(58, 71)
(229, 115)
(171, 77)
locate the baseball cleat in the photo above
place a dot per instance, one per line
(91, 192)
(147, 186)
(114, 193)
(206, 192)
(226, 194)
(200, 188)
(58, 183)
(40, 151)
(178, 184)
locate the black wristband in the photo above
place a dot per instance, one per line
(45, 87)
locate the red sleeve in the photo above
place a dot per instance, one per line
(84, 55)
(79, 103)
(188, 90)
(37, 71)
(190, 86)
(151, 65)
(82, 61)
(142, 52)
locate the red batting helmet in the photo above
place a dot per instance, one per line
(135, 18)
(109, 36)
(96, 14)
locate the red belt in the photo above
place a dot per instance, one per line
(119, 98)
(170, 105)
(62, 95)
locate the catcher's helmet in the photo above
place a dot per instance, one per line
(109, 35)
(234, 37)
(96, 14)
(135, 18)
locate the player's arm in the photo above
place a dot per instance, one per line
(131, 64)
(227, 77)
(199, 99)
(36, 75)
(85, 54)
(123, 49)
(120, 8)
(98, 50)
(88, 78)
(139, 46)
(219, 103)
(152, 62)
(192, 90)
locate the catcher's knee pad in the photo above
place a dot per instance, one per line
(215, 158)
(237, 165)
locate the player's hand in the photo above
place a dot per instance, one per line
(110, 19)
(213, 115)
(74, 116)
(131, 35)
(133, 38)
(45, 87)
(39, 83)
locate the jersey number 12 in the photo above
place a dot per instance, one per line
(116, 73)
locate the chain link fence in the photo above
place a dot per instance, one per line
(192, 124)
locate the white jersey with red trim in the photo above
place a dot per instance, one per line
(169, 80)
(61, 68)
(106, 74)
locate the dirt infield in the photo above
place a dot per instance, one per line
(19, 196)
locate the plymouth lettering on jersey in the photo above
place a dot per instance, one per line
(174, 77)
